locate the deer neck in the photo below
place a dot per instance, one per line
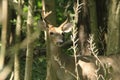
(52, 49)
(55, 51)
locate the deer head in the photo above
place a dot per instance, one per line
(56, 33)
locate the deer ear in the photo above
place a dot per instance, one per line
(67, 27)
(42, 25)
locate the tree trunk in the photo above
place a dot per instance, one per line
(29, 53)
(113, 39)
(83, 29)
(17, 40)
(93, 21)
(4, 32)
(102, 23)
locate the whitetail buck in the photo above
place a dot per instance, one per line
(64, 67)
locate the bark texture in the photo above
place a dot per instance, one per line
(113, 37)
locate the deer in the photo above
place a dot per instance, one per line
(62, 66)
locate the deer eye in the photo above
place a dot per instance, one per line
(51, 33)
(63, 34)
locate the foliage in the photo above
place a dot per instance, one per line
(39, 69)
(63, 9)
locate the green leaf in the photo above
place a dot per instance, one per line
(25, 9)
(39, 4)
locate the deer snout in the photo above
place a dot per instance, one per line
(59, 43)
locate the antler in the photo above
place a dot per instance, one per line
(44, 13)
(44, 16)
(66, 21)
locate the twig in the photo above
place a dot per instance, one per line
(12, 75)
